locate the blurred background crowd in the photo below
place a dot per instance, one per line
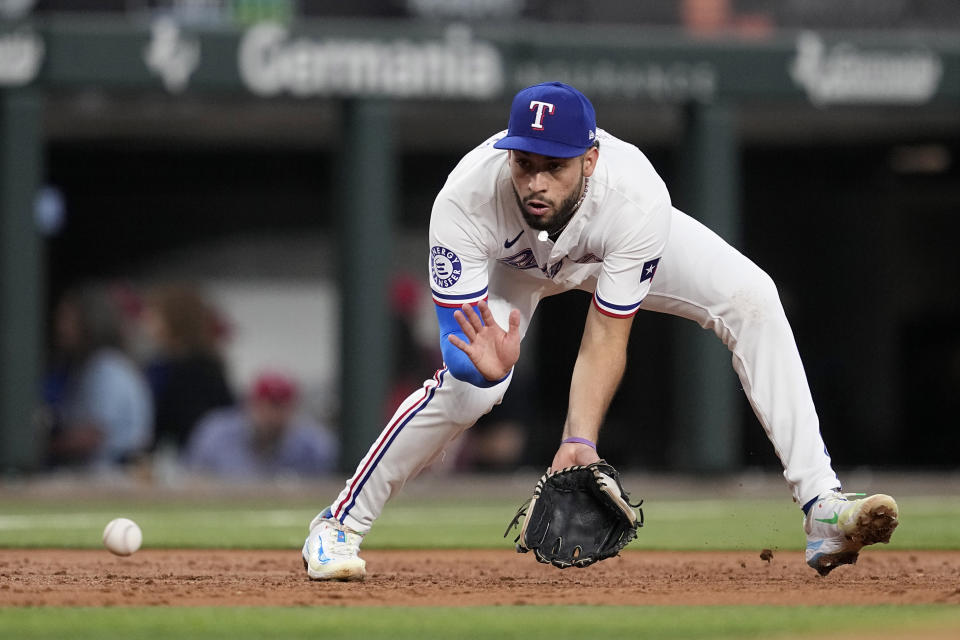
(194, 251)
(132, 375)
(138, 379)
(695, 15)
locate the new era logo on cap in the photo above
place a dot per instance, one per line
(552, 119)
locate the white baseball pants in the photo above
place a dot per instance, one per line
(701, 278)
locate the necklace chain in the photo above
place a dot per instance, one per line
(556, 234)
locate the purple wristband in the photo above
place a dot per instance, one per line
(579, 441)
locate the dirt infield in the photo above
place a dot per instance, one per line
(463, 578)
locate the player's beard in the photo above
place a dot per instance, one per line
(561, 215)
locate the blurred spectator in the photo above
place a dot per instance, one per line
(749, 18)
(493, 444)
(414, 357)
(706, 17)
(265, 436)
(186, 373)
(99, 402)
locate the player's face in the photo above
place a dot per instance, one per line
(548, 189)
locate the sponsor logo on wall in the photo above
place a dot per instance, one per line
(272, 62)
(845, 73)
(631, 80)
(171, 55)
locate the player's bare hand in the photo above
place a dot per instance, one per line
(492, 350)
(573, 454)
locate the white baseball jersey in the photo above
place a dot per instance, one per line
(617, 235)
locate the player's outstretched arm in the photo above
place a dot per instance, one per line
(596, 375)
(492, 350)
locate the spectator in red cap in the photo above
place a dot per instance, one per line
(265, 436)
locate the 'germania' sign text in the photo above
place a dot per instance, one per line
(272, 62)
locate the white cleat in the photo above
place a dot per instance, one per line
(837, 528)
(330, 551)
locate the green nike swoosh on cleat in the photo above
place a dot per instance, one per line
(833, 520)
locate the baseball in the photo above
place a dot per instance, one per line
(122, 536)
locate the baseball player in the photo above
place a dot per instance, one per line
(553, 204)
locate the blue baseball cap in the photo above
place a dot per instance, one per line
(552, 119)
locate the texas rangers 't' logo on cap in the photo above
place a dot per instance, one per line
(541, 107)
(552, 119)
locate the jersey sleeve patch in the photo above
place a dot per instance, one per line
(445, 267)
(649, 269)
(615, 310)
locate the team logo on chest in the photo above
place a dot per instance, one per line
(551, 270)
(541, 108)
(522, 260)
(526, 260)
(445, 266)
